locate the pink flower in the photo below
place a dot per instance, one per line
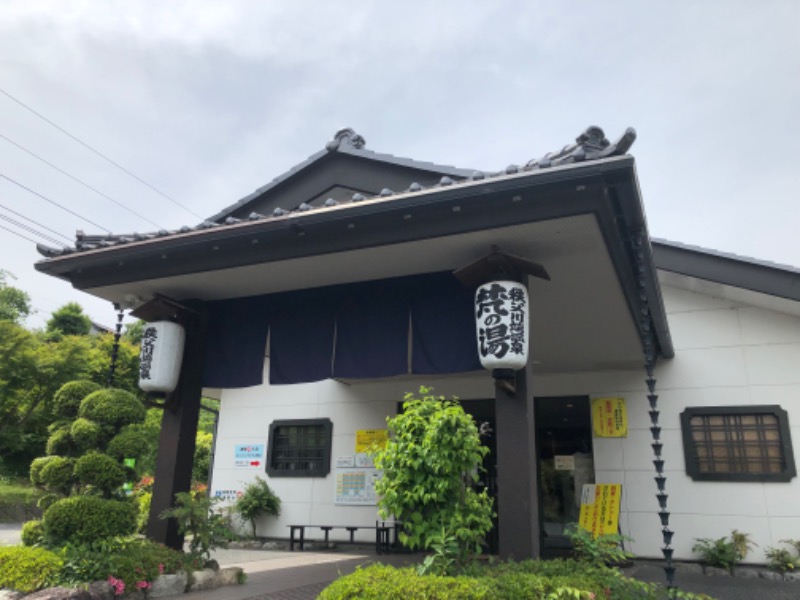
(591, 595)
(160, 567)
(143, 585)
(117, 584)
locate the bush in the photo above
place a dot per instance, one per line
(82, 519)
(32, 533)
(68, 398)
(724, 553)
(57, 474)
(143, 500)
(86, 434)
(28, 569)
(101, 471)
(256, 500)
(202, 456)
(128, 560)
(195, 516)
(128, 444)
(36, 469)
(112, 407)
(60, 443)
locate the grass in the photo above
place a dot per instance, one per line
(17, 500)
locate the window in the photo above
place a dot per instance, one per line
(737, 443)
(300, 448)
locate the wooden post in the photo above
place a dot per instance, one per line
(517, 493)
(178, 430)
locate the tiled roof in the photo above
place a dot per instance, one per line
(590, 145)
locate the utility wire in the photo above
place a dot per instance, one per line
(72, 212)
(35, 222)
(98, 153)
(24, 237)
(31, 230)
(83, 183)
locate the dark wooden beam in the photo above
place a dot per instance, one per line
(517, 497)
(179, 429)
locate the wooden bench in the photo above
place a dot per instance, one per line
(383, 537)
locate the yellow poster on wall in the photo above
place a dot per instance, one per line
(610, 417)
(600, 508)
(367, 438)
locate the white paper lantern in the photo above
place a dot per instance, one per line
(160, 357)
(501, 313)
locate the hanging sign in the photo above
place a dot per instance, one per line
(610, 417)
(368, 439)
(600, 508)
(501, 313)
(160, 356)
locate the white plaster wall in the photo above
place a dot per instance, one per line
(726, 354)
(246, 414)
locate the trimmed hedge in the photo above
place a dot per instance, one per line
(60, 443)
(128, 444)
(101, 471)
(56, 475)
(86, 434)
(32, 532)
(28, 569)
(112, 407)
(68, 398)
(83, 519)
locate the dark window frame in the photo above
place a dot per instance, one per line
(692, 459)
(327, 426)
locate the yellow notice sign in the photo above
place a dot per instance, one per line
(367, 438)
(600, 508)
(609, 417)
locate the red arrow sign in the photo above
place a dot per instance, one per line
(254, 463)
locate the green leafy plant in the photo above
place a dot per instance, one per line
(783, 560)
(444, 556)
(605, 549)
(195, 515)
(85, 434)
(113, 407)
(27, 569)
(257, 499)
(81, 519)
(69, 396)
(430, 465)
(724, 552)
(101, 472)
(56, 475)
(32, 533)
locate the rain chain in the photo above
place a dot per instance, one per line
(115, 348)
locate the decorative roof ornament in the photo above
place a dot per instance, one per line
(590, 145)
(345, 137)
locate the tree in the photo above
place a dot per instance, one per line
(69, 320)
(430, 466)
(15, 304)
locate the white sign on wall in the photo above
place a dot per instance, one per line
(248, 456)
(356, 487)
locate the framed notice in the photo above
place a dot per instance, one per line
(356, 487)
(366, 439)
(610, 418)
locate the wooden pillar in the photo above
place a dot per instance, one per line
(517, 493)
(178, 430)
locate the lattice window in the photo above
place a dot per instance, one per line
(743, 443)
(300, 448)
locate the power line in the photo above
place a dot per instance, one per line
(24, 237)
(83, 183)
(36, 222)
(31, 230)
(72, 212)
(100, 154)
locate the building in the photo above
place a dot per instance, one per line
(313, 304)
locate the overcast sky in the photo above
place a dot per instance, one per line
(207, 101)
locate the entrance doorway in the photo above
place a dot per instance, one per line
(564, 440)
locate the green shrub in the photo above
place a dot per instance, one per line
(60, 443)
(143, 500)
(28, 569)
(605, 549)
(32, 532)
(100, 471)
(196, 516)
(112, 407)
(257, 499)
(202, 456)
(36, 469)
(57, 475)
(128, 444)
(128, 559)
(723, 552)
(45, 501)
(381, 582)
(68, 398)
(86, 434)
(82, 519)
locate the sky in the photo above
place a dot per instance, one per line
(206, 101)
